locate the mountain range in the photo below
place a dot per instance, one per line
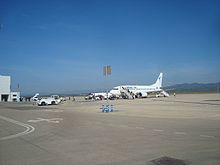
(194, 88)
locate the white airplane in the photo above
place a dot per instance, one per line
(132, 91)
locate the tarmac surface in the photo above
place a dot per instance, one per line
(185, 127)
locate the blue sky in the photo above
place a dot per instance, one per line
(62, 45)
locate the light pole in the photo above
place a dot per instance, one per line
(107, 70)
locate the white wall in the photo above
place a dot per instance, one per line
(5, 83)
(5, 90)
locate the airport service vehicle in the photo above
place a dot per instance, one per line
(57, 97)
(98, 96)
(48, 101)
(53, 100)
(138, 91)
(35, 97)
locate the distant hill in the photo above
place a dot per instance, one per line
(194, 88)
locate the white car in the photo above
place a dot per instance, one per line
(48, 101)
(58, 98)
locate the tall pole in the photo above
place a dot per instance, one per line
(107, 70)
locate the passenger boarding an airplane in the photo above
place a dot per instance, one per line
(138, 91)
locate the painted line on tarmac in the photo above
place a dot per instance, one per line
(53, 120)
(27, 131)
(180, 133)
(207, 136)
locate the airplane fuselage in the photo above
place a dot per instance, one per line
(141, 90)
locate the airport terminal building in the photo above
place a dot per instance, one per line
(5, 90)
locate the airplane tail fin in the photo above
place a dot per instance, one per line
(158, 83)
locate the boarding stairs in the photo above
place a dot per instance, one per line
(165, 94)
(126, 93)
